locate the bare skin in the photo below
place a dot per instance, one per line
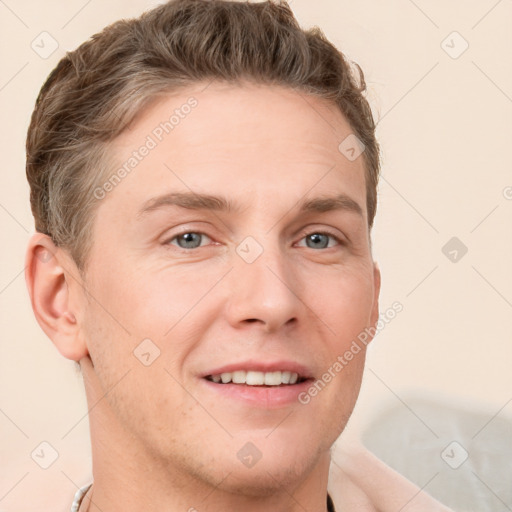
(161, 438)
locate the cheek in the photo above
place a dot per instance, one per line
(151, 301)
(133, 390)
(343, 301)
(170, 307)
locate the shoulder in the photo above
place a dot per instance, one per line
(360, 481)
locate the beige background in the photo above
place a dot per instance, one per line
(444, 126)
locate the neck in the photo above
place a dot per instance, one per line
(128, 477)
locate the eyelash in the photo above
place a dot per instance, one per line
(338, 240)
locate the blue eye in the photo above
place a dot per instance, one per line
(320, 241)
(193, 240)
(190, 240)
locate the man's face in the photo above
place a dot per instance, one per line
(280, 276)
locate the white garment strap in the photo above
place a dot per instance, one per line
(78, 497)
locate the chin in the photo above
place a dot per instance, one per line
(266, 479)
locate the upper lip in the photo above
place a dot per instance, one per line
(262, 366)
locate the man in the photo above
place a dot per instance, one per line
(203, 181)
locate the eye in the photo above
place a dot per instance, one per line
(190, 240)
(320, 241)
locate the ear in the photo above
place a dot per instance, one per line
(56, 292)
(376, 293)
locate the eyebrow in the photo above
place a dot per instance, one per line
(326, 204)
(195, 201)
(189, 200)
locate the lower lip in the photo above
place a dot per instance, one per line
(267, 397)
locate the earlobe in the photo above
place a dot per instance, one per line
(49, 273)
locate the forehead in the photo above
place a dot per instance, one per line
(242, 111)
(225, 138)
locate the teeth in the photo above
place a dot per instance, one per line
(252, 378)
(226, 377)
(272, 379)
(238, 377)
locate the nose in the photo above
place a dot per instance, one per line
(263, 293)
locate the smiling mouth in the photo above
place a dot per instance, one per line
(257, 379)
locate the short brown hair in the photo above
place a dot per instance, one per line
(97, 89)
